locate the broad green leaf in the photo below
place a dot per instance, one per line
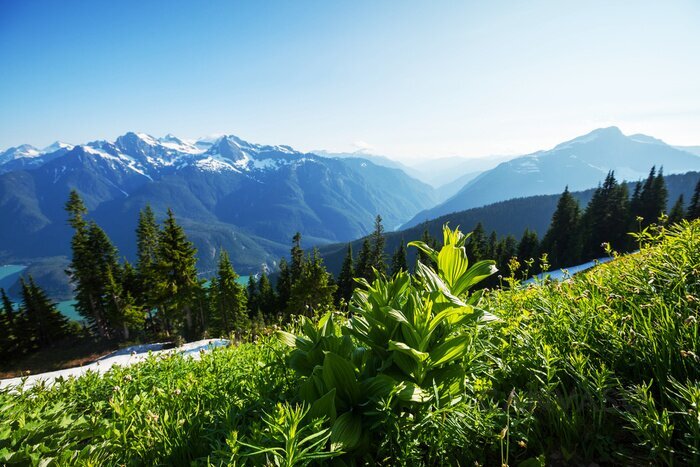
(411, 392)
(324, 407)
(378, 386)
(346, 432)
(404, 348)
(450, 350)
(432, 254)
(478, 272)
(291, 340)
(452, 264)
(339, 373)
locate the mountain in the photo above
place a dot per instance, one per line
(510, 217)
(580, 163)
(443, 171)
(226, 192)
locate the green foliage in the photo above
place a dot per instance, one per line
(168, 410)
(228, 300)
(405, 344)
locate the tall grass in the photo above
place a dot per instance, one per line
(602, 367)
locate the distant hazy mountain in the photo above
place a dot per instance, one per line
(443, 171)
(226, 192)
(580, 163)
(447, 175)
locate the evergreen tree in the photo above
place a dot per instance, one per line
(314, 291)
(652, 199)
(46, 323)
(694, 207)
(252, 296)
(562, 240)
(364, 262)
(297, 258)
(147, 233)
(8, 329)
(94, 259)
(398, 260)
(176, 275)
(346, 281)
(677, 212)
(492, 247)
(377, 257)
(528, 247)
(476, 245)
(507, 248)
(284, 286)
(229, 298)
(266, 298)
(606, 219)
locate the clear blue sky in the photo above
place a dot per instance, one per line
(402, 78)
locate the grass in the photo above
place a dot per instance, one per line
(601, 368)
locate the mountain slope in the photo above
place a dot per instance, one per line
(227, 193)
(580, 163)
(510, 217)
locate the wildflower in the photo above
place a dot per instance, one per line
(177, 391)
(522, 444)
(116, 389)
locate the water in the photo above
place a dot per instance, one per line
(9, 273)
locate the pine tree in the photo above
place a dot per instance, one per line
(364, 261)
(8, 330)
(677, 212)
(694, 207)
(314, 291)
(176, 275)
(377, 257)
(46, 323)
(297, 258)
(652, 199)
(476, 245)
(267, 298)
(492, 247)
(346, 281)
(606, 219)
(229, 298)
(252, 297)
(94, 259)
(398, 260)
(284, 286)
(147, 233)
(562, 240)
(528, 247)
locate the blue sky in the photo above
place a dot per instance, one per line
(403, 78)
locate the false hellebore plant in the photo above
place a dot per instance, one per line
(403, 345)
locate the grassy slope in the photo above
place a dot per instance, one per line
(601, 368)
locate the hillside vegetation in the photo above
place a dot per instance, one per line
(598, 368)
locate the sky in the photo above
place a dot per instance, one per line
(407, 79)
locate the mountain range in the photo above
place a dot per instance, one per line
(227, 193)
(250, 199)
(579, 164)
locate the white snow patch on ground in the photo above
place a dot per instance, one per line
(123, 357)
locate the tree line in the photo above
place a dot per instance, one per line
(162, 295)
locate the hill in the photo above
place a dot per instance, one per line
(509, 217)
(579, 164)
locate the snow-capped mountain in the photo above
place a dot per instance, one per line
(579, 163)
(227, 193)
